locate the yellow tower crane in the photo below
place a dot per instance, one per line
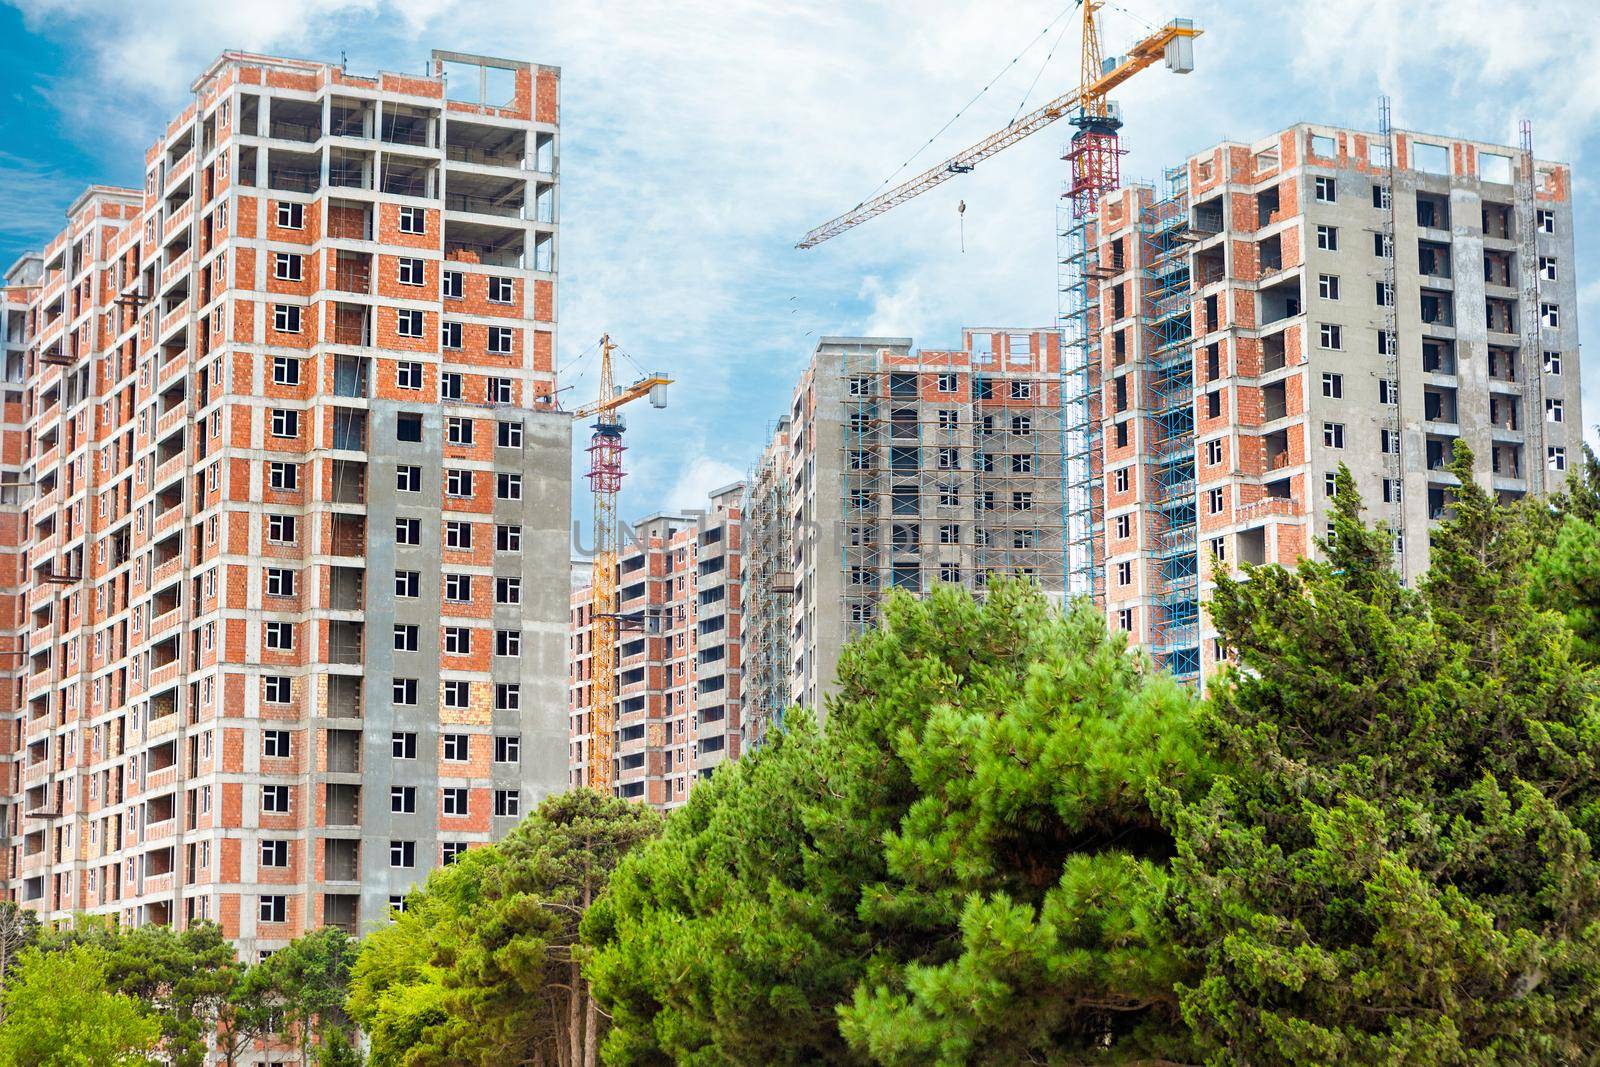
(605, 478)
(1094, 152)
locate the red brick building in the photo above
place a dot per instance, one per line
(680, 695)
(280, 478)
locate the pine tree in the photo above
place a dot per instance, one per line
(963, 866)
(483, 966)
(1398, 865)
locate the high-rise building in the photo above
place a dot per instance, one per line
(899, 468)
(769, 588)
(1320, 297)
(284, 483)
(680, 689)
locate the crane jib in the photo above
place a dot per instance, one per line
(1143, 54)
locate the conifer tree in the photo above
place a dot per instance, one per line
(1398, 865)
(963, 866)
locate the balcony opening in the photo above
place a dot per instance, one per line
(341, 860)
(1439, 357)
(1497, 221)
(1440, 451)
(349, 535)
(410, 176)
(349, 168)
(349, 482)
(1267, 204)
(409, 125)
(351, 375)
(1502, 363)
(1505, 412)
(1433, 210)
(343, 804)
(482, 195)
(294, 120)
(1275, 447)
(350, 117)
(1497, 268)
(346, 588)
(339, 910)
(1500, 315)
(491, 245)
(345, 641)
(1278, 301)
(349, 429)
(294, 172)
(1438, 404)
(1274, 401)
(491, 146)
(1433, 259)
(1506, 460)
(1438, 309)
(344, 696)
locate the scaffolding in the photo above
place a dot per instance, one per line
(1078, 318)
(769, 597)
(1172, 572)
(1389, 416)
(1536, 464)
(951, 468)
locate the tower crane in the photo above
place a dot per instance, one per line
(605, 478)
(1095, 152)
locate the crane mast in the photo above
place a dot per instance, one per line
(605, 479)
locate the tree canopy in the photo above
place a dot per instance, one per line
(963, 865)
(60, 1012)
(1398, 864)
(483, 965)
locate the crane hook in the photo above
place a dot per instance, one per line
(961, 217)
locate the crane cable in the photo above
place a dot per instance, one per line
(1003, 71)
(1040, 72)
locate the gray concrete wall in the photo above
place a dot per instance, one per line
(544, 513)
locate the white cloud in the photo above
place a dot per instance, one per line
(699, 477)
(701, 139)
(41, 213)
(894, 312)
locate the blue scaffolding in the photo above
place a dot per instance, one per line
(1174, 580)
(1083, 545)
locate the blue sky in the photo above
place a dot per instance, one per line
(701, 139)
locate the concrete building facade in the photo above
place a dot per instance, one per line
(898, 468)
(769, 588)
(280, 466)
(1323, 296)
(680, 669)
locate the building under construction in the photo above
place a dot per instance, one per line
(1228, 338)
(897, 468)
(1323, 296)
(678, 669)
(283, 482)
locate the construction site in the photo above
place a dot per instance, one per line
(289, 476)
(1227, 337)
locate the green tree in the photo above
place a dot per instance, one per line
(60, 1012)
(337, 1050)
(19, 928)
(245, 1016)
(483, 965)
(303, 984)
(1398, 865)
(1566, 566)
(963, 866)
(183, 978)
